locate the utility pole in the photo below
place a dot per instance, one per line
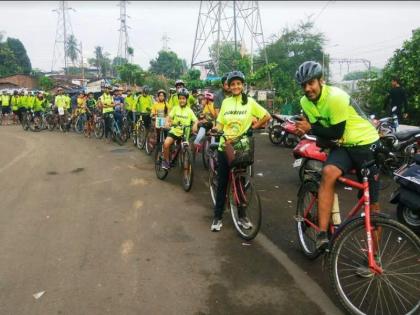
(63, 30)
(123, 41)
(83, 67)
(217, 25)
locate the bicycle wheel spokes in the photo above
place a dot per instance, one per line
(187, 170)
(396, 290)
(307, 219)
(245, 206)
(160, 172)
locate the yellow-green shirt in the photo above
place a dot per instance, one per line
(181, 115)
(106, 100)
(60, 101)
(237, 118)
(30, 101)
(173, 101)
(14, 101)
(5, 100)
(158, 109)
(334, 107)
(144, 104)
(131, 103)
(39, 105)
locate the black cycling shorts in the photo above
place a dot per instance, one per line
(175, 137)
(348, 158)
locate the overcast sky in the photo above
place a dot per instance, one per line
(371, 30)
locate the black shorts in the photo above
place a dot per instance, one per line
(175, 137)
(5, 109)
(348, 158)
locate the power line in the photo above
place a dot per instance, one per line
(322, 10)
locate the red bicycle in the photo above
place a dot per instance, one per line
(374, 261)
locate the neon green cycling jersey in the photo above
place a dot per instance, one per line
(334, 107)
(106, 100)
(237, 118)
(145, 104)
(181, 115)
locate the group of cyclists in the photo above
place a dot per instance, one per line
(327, 113)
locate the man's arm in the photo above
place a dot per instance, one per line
(333, 132)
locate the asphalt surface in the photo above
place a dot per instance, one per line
(89, 227)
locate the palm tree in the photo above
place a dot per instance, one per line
(72, 48)
(130, 52)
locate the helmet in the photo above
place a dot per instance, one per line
(209, 96)
(307, 71)
(146, 89)
(15, 92)
(179, 82)
(172, 90)
(161, 91)
(183, 92)
(235, 75)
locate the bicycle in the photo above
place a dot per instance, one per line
(372, 258)
(98, 125)
(140, 132)
(116, 134)
(38, 122)
(181, 154)
(242, 197)
(153, 136)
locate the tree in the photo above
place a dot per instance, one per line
(16, 46)
(101, 61)
(131, 74)
(229, 59)
(168, 64)
(403, 64)
(358, 75)
(130, 52)
(45, 83)
(286, 53)
(72, 48)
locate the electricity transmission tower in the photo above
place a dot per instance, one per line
(63, 31)
(123, 41)
(236, 22)
(165, 41)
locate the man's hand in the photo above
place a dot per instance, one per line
(302, 126)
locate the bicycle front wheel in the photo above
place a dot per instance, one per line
(396, 290)
(187, 170)
(150, 142)
(160, 172)
(141, 137)
(245, 206)
(99, 129)
(307, 218)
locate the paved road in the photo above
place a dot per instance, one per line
(89, 224)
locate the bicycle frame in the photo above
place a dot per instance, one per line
(364, 202)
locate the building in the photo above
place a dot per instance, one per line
(18, 81)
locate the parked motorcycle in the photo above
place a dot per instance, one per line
(407, 195)
(275, 129)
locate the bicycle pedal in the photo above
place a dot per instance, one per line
(298, 218)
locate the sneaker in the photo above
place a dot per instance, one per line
(321, 241)
(165, 165)
(245, 223)
(216, 225)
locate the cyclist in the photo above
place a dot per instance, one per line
(21, 105)
(119, 103)
(107, 103)
(172, 93)
(130, 106)
(14, 101)
(5, 104)
(60, 103)
(192, 99)
(207, 117)
(235, 119)
(173, 101)
(90, 103)
(160, 108)
(39, 105)
(331, 115)
(221, 94)
(144, 106)
(179, 115)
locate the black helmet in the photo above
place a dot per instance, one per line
(307, 71)
(161, 91)
(179, 82)
(146, 89)
(235, 75)
(184, 92)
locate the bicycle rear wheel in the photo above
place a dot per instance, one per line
(99, 129)
(394, 291)
(160, 172)
(80, 124)
(150, 142)
(187, 170)
(244, 202)
(307, 218)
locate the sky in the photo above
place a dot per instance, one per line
(354, 29)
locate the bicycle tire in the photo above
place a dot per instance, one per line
(99, 129)
(252, 200)
(141, 137)
(187, 170)
(307, 243)
(354, 234)
(213, 185)
(160, 172)
(205, 153)
(149, 146)
(79, 124)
